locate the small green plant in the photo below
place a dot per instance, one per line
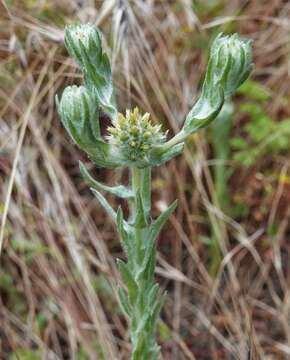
(133, 141)
(262, 135)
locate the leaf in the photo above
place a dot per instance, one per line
(120, 190)
(255, 90)
(152, 295)
(124, 233)
(205, 109)
(162, 153)
(157, 308)
(126, 308)
(153, 233)
(140, 218)
(128, 280)
(149, 267)
(160, 221)
(111, 212)
(79, 114)
(98, 78)
(146, 190)
(229, 65)
(83, 42)
(26, 354)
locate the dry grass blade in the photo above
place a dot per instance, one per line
(22, 132)
(57, 249)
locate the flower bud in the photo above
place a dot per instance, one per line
(83, 42)
(230, 63)
(79, 115)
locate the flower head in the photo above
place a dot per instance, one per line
(134, 135)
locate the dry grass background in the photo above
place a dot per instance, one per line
(58, 270)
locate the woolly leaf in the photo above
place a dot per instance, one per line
(120, 190)
(205, 110)
(125, 235)
(156, 226)
(126, 307)
(140, 219)
(102, 200)
(83, 42)
(160, 221)
(128, 280)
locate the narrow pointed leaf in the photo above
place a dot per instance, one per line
(128, 280)
(157, 308)
(154, 231)
(124, 234)
(126, 308)
(152, 295)
(102, 200)
(146, 190)
(161, 220)
(148, 267)
(140, 219)
(120, 190)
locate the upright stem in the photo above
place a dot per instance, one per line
(145, 309)
(141, 181)
(137, 185)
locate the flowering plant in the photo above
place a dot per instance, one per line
(134, 141)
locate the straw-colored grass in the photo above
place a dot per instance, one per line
(58, 247)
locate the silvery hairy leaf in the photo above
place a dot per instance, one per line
(83, 42)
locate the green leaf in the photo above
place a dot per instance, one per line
(163, 153)
(125, 234)
(79, 113)
(120, 190)
(254, 90)
(160, 221)
(126, 307)
(230, 63)
(164, 331)
(152, 295)
(25, 354)
(205, 109)
(153, 233)
(83, 42)
(148, 267)
(140, 218)
(128, 280)
(238, 143)
(146, 190)
(111, 212)
(157, 308)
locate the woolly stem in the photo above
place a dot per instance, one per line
(143, 319)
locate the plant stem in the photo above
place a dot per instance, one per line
(177, 139)
(141, 181)
(144, 310)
